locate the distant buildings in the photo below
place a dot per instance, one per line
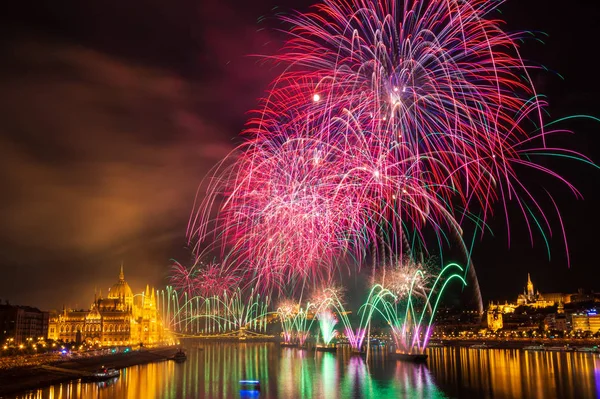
(537, 300)
(496, 319)
(585, 321)
(121, 318)
(537, 310)
(22, 323)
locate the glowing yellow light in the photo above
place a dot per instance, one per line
(316, 97)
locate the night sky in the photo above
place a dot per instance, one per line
(111, 113)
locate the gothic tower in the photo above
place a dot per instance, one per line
(529, 287)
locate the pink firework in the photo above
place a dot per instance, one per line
(214, 280)
(440, 76)
(183, 279)
(390, 118)
(205, 280)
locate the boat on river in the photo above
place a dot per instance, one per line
(180, 356)
(249, 385)
(104, 373)
(482, 345)
(565, 348)
(588, 349)
(326, 347)
(535, 348)
(411, 357)
(435, 344)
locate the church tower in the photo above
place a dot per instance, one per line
(529, 287)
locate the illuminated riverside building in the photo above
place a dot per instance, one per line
(589, 321)
(119, 319)
(537, 300)
(502, 316)
(494, 318)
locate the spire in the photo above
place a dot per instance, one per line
(121, 275)
(529, 286)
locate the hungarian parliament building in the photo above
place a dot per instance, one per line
(119, 319)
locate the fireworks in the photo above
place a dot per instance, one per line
(287, 311)
(327, 321)
(390, 119)
(183, 278)
(206, 316)
(405, 278)
(411, 315)
(205, 280)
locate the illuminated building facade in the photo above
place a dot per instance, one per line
(589, 321)
(536, 300)
(494, 318)
(119, 319)
(22, 323)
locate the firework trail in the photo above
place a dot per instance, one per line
(390, 118)
(203, 279)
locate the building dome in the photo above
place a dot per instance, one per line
(121, 289)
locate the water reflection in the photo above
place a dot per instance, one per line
(215, 372)
(508, 373)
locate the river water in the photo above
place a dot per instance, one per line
(215, 372)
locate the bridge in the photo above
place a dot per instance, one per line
(241, 334)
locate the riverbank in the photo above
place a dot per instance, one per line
(27, 378)
(519, 343)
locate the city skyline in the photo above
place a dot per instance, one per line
(299, 198)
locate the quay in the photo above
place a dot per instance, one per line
(21, 379)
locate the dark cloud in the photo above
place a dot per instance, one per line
(110, 117)
(100, 159)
